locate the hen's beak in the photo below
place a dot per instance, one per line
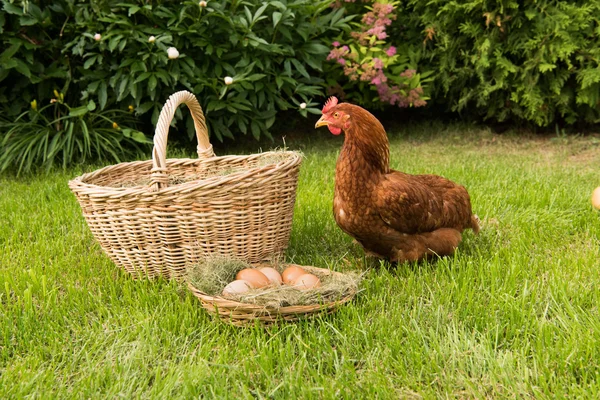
(321, 122)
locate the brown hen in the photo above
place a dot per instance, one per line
(393, 215)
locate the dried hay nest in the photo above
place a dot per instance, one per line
(206, 172)
(271, 304)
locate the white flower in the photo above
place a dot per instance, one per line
(302, 106)
(203, 3)
(151, 39)
(97, 37)
(228, 80)
(173, 53)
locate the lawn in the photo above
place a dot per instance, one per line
(513, 314)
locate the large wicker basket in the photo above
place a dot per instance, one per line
(243, 314)
(155, 217)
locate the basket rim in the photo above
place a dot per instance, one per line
(237, 305)
(292, 159)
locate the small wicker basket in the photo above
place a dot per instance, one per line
(155, 217)
(243, 314)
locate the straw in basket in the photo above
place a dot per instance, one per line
(155, 217)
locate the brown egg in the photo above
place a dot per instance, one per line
(307, 281)
(254, 277)
(596, 198)
(236, 287)
(291, 273)
(272, 275)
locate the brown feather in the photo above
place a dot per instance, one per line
(391, 214)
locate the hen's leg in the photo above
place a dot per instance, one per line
(441, 242)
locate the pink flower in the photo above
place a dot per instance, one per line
(391, 51)
(409, 73)
(350, 72)
(377, 63)
(386, 9)
(338, 53)
(369, 19)
(336, 44)
(341, 61)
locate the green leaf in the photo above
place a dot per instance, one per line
(8, 53)
(259, 12)
(255, 77)
(12, 9)
(316, 48)
(3, 74)
(531, 13)
(545, 67)
(133, 10)
(23, 68)
(91, 106)
(122, 45)
(122, 87)
(143, 76)
(144, 107)
(300, 68)
(139, 137)
(78, 112)
(102, 94)
(223, 91)
(287, 66)
(152, 82)
(27, 21)
(248, 15)
(279, 5)
(113, 42)
(255, 130)
(89, 62)
(276, 18)
(269, 122)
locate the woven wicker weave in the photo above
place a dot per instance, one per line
(242, 314)
(155, 217)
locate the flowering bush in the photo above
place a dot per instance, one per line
(244, 61)
(371, 65)
(498, 60)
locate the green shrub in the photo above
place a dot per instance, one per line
(116, 53)
(59, 134)
(508, 60)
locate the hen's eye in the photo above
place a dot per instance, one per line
(336, 115)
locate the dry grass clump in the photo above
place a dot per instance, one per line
(212, 274)
(208, 171)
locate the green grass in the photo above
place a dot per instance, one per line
(514, 314)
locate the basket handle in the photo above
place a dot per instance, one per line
(159, 176)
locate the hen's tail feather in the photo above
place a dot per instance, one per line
(475, 223)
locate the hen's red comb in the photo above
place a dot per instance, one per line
(329, 104)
